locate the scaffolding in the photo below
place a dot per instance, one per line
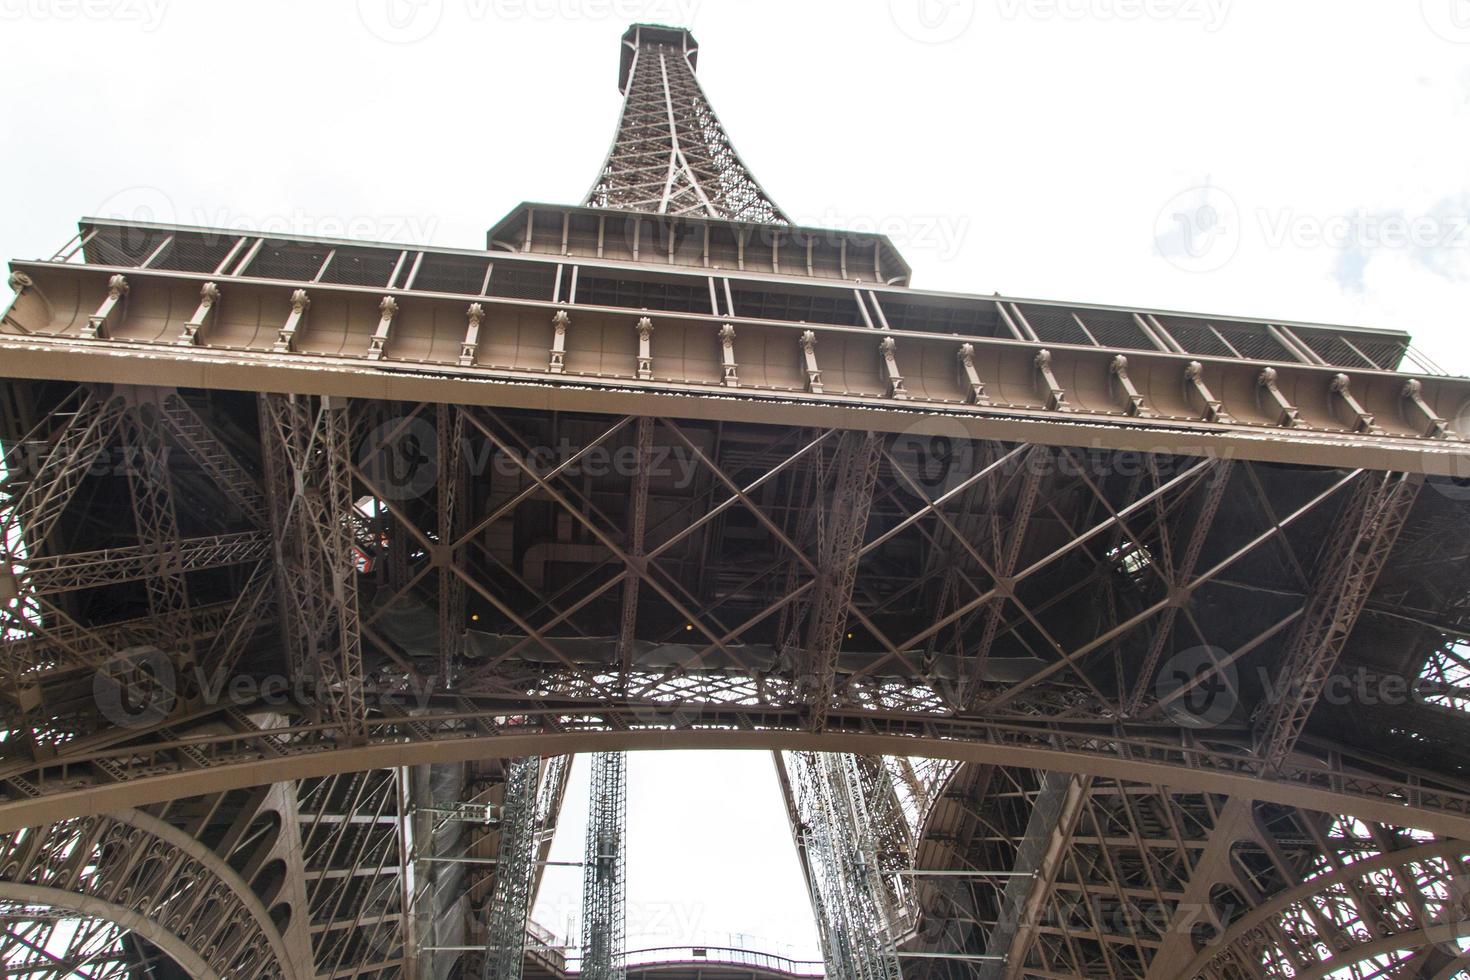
(515, 869)
(858, 916)
(604, 885)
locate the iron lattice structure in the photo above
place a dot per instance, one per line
(847, 814)
(1108, 642)
(670, 154)
(515, 868)
(604, 875)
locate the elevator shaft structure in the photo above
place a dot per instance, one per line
(515, 872)
(604, 880)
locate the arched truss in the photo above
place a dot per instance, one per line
(246, 757)
(1047, 688)
(72, 889)
(47, 932)
(1128, 880)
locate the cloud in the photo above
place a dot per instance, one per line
(1436, 240)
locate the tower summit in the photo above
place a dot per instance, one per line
(671, 155)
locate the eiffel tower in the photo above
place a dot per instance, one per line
(1088, 641)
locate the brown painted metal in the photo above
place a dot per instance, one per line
(850, 516)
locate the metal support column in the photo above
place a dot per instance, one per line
(853, 908)
(510, 903)
(604, 885)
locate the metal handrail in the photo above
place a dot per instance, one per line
(726, 955)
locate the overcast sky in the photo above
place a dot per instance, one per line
(1303, 161)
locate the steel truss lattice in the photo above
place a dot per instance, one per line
(604, 876)
(515, 872)
(671, 154)
(844, 803)
(1118, 665)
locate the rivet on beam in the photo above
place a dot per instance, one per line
(1194, 378)
(971, 377)
(1341, 388)
(387, 310)
(1432, 425)
(1134, 406)
(888, 348)
(1289, 416)
(96, 328)
(645, 349)
(476, 313)
(286, 339)
(208, 297)
(1056, 396)
(728, 376)
(808, 342)
(559, 324)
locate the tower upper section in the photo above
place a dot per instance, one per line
(671, 155)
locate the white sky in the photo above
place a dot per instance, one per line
(1247, 157)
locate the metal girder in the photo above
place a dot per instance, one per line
(515, 872)
(1317, 442)
(1369, 786)
(308, 449)
(604, 874)
(453, 506)
(52, 574)
(85, 423)
(637, 547)
(664, 623)
(1008, 543)
(1363, 537)
(856, 919)
(1202, 523)
(351, 853)
(840, 522)
(1039, 855)
(157, 525)
(192, 433)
